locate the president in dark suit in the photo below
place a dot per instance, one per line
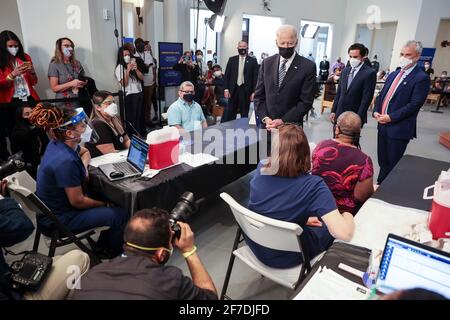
(285, 89)
(397, 107)
(356, 87)
(241, 76)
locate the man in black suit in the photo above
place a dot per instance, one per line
(241, 75)
(324, 69)
(285, 89)
(356, 87)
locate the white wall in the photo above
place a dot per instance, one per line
(43, 22)
(9, 17)
(104, 44)
(442, 58)
(430, 17)
(293, 11)
(405, 12)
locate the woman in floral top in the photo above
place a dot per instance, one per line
(346, 170)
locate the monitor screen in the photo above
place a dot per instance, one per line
(409, 265)
(137, 155)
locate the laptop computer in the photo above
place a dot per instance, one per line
(133, 167)
(408, 265)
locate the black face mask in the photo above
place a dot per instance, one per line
(189, 97)
(140, 47)
(286, 52)
(242, 52)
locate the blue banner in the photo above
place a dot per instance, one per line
(169, 55)
(427, 55)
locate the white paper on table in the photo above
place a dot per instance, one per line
(329, 285)
(109, 158)
(376, 219)
(149, 173)
(197, 160)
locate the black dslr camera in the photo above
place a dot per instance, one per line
(14, 164)
(185, 207)
(31, 271)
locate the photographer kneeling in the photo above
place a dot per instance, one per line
(16, 227)
(141, 272)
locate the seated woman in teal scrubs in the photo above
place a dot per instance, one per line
(63, 173)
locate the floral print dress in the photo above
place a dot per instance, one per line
(342, 167)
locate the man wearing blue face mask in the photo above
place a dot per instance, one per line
(185, 113)
(141, 272)
(62, 176)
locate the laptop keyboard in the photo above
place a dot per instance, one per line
(124, 167)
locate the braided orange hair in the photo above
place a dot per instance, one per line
(50, 118)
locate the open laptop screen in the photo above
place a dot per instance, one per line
(407, 265)
(137, 155)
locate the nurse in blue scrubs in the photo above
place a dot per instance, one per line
(63, 173)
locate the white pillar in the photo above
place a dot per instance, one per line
(176, 29)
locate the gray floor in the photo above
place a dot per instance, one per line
(215, 228)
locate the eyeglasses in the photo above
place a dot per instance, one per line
(107, 102)
(188, 92)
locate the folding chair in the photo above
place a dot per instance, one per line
(270, 233)
(59, 234)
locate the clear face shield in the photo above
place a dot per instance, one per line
(82, 126)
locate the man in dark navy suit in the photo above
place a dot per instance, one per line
(285, 89)
(357, 86)
(397, 107)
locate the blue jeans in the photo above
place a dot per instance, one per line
(80, 221)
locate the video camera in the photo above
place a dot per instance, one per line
(14, 164)
(184, 208)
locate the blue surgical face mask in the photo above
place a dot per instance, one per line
(67, 51)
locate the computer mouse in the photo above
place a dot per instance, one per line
(116, 175)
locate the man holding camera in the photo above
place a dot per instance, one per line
(141, 272)
(16, 227)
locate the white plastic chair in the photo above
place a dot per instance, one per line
(22, 187)
(270, 233)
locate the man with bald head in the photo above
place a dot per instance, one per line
(141, 273)
(241, 75)
(346, 170)
(285, 89)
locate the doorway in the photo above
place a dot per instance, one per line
(379, 41)
(261, 33)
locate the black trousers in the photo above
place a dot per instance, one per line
(390, 152)
(134, 114)
(239, 100)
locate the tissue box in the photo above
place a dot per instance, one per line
(164, 149)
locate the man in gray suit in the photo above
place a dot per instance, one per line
(285, 89)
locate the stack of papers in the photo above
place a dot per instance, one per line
(329, 285)
(109, 158)
(197, 160)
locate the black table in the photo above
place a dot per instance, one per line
(339, 252)
(403, 187)
(164, 189)
(405, 184)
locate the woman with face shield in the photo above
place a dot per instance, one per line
(108, 125)
(63, 173)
